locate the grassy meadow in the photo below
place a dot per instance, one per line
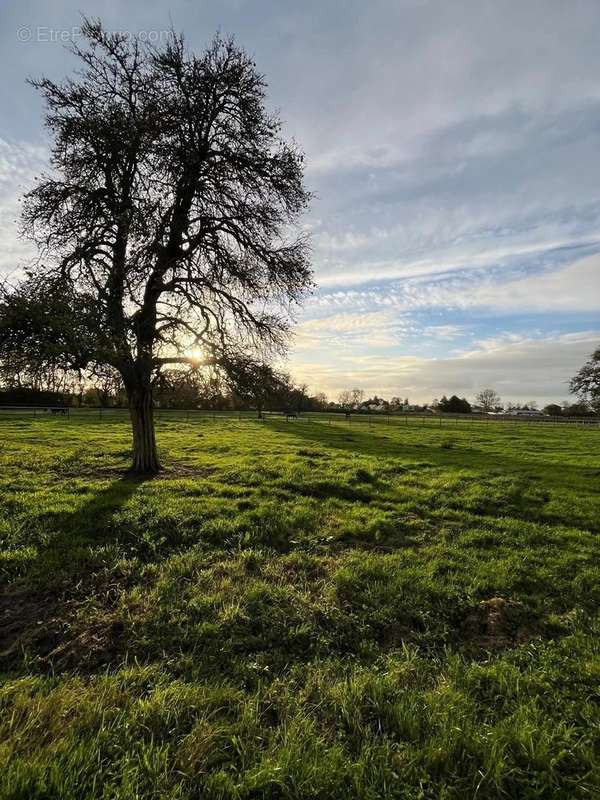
(299, 610)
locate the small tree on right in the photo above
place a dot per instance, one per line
(488, 400)
(586, 384)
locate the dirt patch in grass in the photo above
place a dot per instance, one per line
(33, 624)
(499, 623)
(27, 620)
(98, 643)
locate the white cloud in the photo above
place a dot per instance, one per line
(576, 287)
(445, 332)
(518, 367)
(514, 185)
(19, 163)
(367, 329)
(571, 288)
(460, 257)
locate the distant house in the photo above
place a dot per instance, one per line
(381, 406)
(525, 412)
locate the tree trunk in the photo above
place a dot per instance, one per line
(141, 411)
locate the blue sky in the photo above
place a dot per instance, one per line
(454, 150)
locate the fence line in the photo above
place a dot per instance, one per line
(406, 418)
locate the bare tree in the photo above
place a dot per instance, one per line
(488, 400)
(358, 396)
(168, 217)
(321, 400)
(345, 398)
(107, 385)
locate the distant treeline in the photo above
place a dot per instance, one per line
(184, 393)
(28, 396)
(261, 390)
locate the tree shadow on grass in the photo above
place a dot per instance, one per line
(374, 443)
(489, 464)
(92, 524)
(63, 568)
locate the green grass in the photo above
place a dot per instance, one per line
(299, 610)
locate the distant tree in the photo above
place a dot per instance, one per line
(357, 396)
(104, 388)
(261, 386)
(488, 400)
(345, 398)
(165, 224)
(578, 410)
(29, 396)
(454, 405)
(44, 334)
(553, 410)
(375, 402)
(178, 388)
(586, 384)
(213, 390)
(320, 401)
(299, 396)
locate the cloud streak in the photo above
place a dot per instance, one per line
(19, 163)
(574, 287)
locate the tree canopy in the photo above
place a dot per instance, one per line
(586, 384)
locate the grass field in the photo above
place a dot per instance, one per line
(299, 610)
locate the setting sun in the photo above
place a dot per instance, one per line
(196, 354)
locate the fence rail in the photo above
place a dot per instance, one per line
(406, 418)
